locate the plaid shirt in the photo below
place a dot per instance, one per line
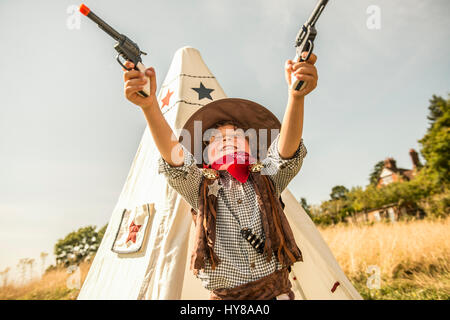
(240, 263)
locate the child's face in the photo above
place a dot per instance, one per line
(228, 141)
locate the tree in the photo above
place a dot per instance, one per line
(436, 109)
(30, 264)
(338, 192)
(78, 245)
(373, 178)
(305, 206)
(22, 265)
(102, 231)
(436, 142)
(43, 256)
(4, 275)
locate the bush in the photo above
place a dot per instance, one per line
(78, 245)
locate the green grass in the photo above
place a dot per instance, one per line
(436, 287)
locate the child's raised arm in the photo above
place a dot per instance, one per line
(164, 138)
(292, 126)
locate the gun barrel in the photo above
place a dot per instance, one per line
(102, 24)
(316, 12)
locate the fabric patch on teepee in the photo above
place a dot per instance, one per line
(133, 229)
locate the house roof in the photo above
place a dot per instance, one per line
(406, 173)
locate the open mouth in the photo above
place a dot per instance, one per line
(229, 148)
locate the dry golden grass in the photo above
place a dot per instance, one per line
(413, 257)
(409, 254)
(420, 244)
(52, 286)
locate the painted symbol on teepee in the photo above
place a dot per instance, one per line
(166, 99)
(134, 229)
(213, 188)
(335, 285)
(203, 92)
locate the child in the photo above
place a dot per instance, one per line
(244, 245)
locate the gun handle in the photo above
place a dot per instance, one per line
(295, 83)
(146, 91)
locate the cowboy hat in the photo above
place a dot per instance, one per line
(256, 121)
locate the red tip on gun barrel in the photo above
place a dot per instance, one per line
(84, 10)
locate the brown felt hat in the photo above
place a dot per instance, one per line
(245, 113)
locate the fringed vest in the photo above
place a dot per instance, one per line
(278, 234)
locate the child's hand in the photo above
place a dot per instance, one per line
(305, 71)
(135, 81)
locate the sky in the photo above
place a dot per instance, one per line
(68, 135)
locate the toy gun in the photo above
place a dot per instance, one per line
(126, 48)
(305, 41)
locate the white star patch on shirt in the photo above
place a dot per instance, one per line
(214, 188)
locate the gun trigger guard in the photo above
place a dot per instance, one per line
(120, 62)
(310, 50)
(311, 47)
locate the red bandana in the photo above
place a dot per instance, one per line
(239, 164)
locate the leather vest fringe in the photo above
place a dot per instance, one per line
(279, 238)
(264, 288)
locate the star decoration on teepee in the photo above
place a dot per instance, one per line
(214, 188)
(134, 229)
(203, 92)
(166, 99)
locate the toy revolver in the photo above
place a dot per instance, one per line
(305, 41)
(126, 48)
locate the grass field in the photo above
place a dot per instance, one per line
(413, 259)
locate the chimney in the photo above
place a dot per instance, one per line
(415, 159)
(390, 164)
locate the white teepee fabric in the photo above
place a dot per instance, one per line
(160, 270)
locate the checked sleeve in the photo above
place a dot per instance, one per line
(282, 171)
(184, 179)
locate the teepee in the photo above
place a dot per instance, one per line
(146, 248)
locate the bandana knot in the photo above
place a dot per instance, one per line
(239, 164)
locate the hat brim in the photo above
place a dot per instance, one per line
(250, 116)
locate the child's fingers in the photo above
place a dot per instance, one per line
(150, 72)
(306, 70)
(312, 58)
(310, 84)
(305, 67)
(288, 70)
(305, 77)
(288, 65)
(129, 64)
(132, 74)
(297, 65)
(133, 89)
(136, 82)
(131, 94)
